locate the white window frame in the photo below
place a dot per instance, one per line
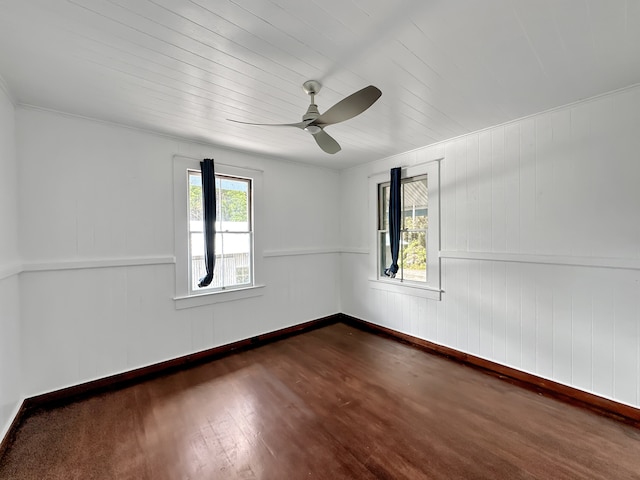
(432, 287)
(185, 298)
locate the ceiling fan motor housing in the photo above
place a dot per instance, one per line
(312, 113)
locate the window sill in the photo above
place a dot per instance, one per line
(395, 286)
(210, 298)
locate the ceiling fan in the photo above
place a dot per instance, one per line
(314, 122)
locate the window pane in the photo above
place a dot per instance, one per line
(414, 203)
(234, 204)
(218, 204)
(383, 206)
(233, 260)
(236, 258)
(385, 252)
(196, 245)
(195, 196)
(414, 256)
(198, 268)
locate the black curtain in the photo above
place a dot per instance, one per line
(207, 171)
(395, 217)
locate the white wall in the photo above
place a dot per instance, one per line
(535, 216)
(93, 192)
(10, 373)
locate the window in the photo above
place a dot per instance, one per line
(412, 258)
(418, 257)
(238, 256)
(234, 233)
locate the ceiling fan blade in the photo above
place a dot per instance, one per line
(326, 142)
(297, 125)
(349, 107)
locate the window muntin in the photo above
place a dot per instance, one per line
(412, 257)
(234, 233)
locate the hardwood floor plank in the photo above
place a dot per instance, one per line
(332, 403)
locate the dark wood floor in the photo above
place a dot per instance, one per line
(334, 403)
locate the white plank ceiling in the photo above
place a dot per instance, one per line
(445, 67)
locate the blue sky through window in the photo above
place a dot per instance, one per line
(195, 180)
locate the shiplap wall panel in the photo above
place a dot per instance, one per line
(562, 329)
(8, 182)
(582, 334)
(512, 186)
(561, 184)
(603, 339)
(10, 345)
(485, 194)
(513, 316)
(447, 179)
(475, 316)
(545, 227)
(473, 192)
(11, 383)
(450, 329)
(527, 185)
(486, 313)
(528, 316)
(498, 200)
(499, 312)
(460, 183)
(625, 348)
(462, 304)
(581, 198)
(565, 186)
